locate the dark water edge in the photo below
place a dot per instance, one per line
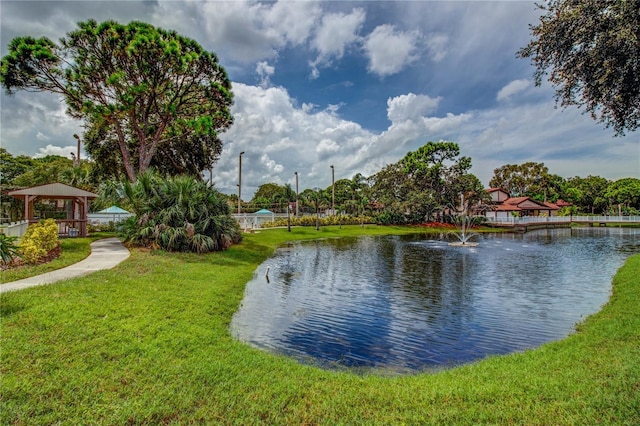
(409, 304)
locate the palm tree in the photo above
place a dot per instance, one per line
(178, 214)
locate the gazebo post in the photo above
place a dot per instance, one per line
(84, 209)
(26, 208)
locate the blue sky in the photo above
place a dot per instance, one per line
(351, 84)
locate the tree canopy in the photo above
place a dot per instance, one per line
(426, 181)
(625, 191)
(589, 49)
(148, 97)
(527, 179)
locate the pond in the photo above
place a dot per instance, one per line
(414, 303)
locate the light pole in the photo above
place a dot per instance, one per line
(240, 181)
(333, 193)
(317, 190)
(296, 173)
(78, 155)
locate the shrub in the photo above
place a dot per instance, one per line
(323, 221)
(178, 214)
(388, 217)
(102, 227)
(40, 239)
(8, 248)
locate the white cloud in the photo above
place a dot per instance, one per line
(336, 32)
(240, 30)
(279, 138)
(437, 46)
(327, 146)
(272, 167)
(410, 107)
(513, 88)
(42, 137)
(63, 151)
(264, 72)
(389, 51)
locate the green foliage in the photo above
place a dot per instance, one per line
(624, 191)
(40, 239)
(310, 220)
(148, 97)
(425, 183)
(273, 197)
(8, 248)
(178, 214)
(11, 167)
(589, 50)
(388, 217)
(527, 180)
(587, 194)
(44, 170)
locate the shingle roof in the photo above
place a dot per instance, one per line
(53, 190)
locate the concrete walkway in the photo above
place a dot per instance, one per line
(105, 254)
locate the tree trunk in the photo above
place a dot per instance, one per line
(126, 158)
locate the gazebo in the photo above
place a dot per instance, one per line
(76, 222)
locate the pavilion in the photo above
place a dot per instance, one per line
(76, 222)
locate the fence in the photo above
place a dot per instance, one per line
(255, 220)
(15, 229)
(527, 220)
(98, 218)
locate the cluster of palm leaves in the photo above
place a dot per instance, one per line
(177, 214)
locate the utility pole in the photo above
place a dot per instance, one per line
(333, 193)
(240, 182)
(297, 211)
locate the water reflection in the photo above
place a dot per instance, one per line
(415, 303)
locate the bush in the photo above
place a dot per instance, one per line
(323, 221)
(102, 227)
(39, 240)
(178, 214)
(8, 248)
(390, 218)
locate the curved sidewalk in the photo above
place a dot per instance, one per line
(105, 254)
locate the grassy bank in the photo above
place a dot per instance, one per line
(148, 343)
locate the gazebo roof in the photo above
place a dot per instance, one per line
(114, 210)
(53, 190)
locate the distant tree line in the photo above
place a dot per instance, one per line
(433, 181)
(424, 185)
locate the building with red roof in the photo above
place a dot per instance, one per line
(504, 206)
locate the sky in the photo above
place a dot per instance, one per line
(354, 85)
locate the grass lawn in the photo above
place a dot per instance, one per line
(148, 343)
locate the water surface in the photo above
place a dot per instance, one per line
(411, 303)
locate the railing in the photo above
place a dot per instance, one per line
(253, 220)
(525, 220)
(71, 227)
(15, 229)
(98, 218)
(605, 219)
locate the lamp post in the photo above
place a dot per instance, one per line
(240, 181)
(77, 159)
(296, 173)
(317, 190)
(333, 193)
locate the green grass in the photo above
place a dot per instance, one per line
(73, 251)
(148, 343)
